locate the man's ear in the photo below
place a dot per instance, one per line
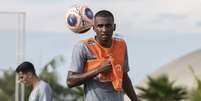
(114, 28)
(94, 28)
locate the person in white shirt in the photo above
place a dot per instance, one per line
(41, 90)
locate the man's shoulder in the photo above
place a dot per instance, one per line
(79, 44)
(88, 41)
(81, 47)
(119, 40)
(44, 85)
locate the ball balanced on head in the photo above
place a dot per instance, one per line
(79, 18)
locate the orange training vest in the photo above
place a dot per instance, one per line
(115, 54)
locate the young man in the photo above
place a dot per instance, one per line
(101, 63)
(41, 90)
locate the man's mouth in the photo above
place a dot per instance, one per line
(106, 35)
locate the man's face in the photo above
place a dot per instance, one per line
(104, 27)
(25, 78)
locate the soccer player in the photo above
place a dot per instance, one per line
(101, 63)
(41, 91)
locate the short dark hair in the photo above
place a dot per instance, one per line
(26, 67)
(104, 13)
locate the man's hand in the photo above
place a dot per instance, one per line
(75, 79)
(105, 66)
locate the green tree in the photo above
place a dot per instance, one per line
(61, 93)
(161, 89)
(196, 93)
(7, 84)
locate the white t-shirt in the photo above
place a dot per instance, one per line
(42, 92)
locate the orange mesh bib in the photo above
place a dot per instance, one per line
(115, 54)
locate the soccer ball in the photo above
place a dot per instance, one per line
(79, 18)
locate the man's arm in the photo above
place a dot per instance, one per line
(75, 79)
(128, 87)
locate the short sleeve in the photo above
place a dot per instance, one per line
(45, 92)
(78, 57)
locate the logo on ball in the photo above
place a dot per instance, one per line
(79, 19)
(72, 20)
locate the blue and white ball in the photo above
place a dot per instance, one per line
(79, 19)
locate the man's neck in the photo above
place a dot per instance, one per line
(105, 44)
(35, 81)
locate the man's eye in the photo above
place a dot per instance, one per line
(100, 26)
(108, 25)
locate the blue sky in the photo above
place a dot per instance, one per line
(156, 31)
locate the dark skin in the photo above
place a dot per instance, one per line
(104, 27)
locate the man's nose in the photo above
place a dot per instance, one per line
(104, 28)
